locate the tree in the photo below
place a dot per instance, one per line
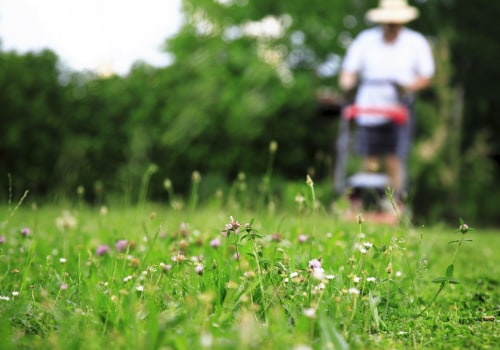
(31, 128)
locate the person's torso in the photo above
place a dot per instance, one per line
(383, 65)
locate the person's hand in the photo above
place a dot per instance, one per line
(347, 81)
(402, 90)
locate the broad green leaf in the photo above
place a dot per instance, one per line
(440, 280)
(449, 271)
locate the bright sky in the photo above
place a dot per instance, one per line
(91, 34)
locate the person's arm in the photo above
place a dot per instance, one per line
(347, 80)
(419, 84)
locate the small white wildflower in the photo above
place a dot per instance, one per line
(356, 279)
(66, 221)
(318, 273)
(354, 291)
(165, 267)
(310, 312)
(371, 279)
(294, 274)
(15, 293)
(329, 277)
(368, 245)
(321, 286)
(62, 260)
(398, 274)
(3, 297)
(299, 199)
(140, 288)
(128, 278)
(206, 340)
(302, 347)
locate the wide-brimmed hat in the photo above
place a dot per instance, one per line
(392, 11)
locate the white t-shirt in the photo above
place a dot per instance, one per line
(380, 64)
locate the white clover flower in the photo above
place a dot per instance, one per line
(66, 221)
(179, 258)
(371, 279)
(294, 274)
(139, 288)
(302, 238)
(320, 286)
(165, 267)
(128, 278)
(4, 297)
(206, 340)
(199, 269)
(354, 291)
(318, 273)
(310, 312)
(103, 210)
(314, 264)
(299, 199)
(329, 277)
(356, 279)
(302, 347)
(362, 249)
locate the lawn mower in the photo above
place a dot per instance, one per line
(366, 189)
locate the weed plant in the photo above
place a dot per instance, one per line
(169, 276)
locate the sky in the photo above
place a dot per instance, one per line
(97, 35)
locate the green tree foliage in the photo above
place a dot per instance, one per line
(31, 128)
(234, 87)
(464, 35)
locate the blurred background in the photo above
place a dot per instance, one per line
(226, 79)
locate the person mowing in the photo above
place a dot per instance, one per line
(388, 64)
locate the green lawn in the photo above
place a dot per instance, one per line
(288, 280)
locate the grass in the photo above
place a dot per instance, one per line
(195, 278)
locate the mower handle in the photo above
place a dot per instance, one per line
(397, 113)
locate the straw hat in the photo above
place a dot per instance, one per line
(392, 11)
